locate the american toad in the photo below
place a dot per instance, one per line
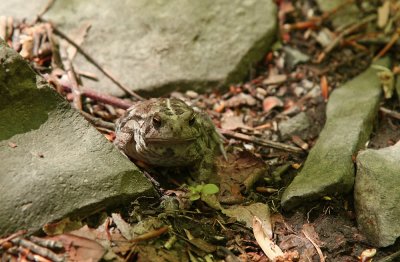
(167, 132)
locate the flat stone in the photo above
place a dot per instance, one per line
(377, 195)
(296, 125)
(168, 45)
(53, 162)
(329, 169)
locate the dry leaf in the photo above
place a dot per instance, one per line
(230, 122)
(261, 235)
(80, 248)
(271, 102)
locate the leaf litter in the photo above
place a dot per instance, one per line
(315, 58)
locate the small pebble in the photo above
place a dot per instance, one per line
(191, 94)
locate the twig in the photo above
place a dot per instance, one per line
(151, 234)
(107, 99)
(391, 257)
(321, 256)
(90, 93)
(390, 113)
(10, 237)
(262, 142)
(340, 37)
(74, 84)
(97, 121)
(38, 249)
(93, 61)
(46, 8)
(392, 41)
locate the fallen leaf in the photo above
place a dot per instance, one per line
(232, 122)
(80, 248)
(246, 213)
(240, 99)
(263, 239)
(122, 225)
(238, 170)
(275, 80)
(62, 226)
(271, 102)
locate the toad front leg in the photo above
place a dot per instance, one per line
(205, 170)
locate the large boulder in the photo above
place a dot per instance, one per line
(53, 162)
(162, 46)
(377, 194)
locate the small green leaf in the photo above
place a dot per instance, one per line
(194, 197)
(198, 188)
(210, 189)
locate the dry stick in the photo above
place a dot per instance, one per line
(46, 8)
(97, 121)
(392, 41)
(10, 237)
(151, 234)
(390, 258)
(104, 98)
(44, 252)
(262, 142)
(390, 113)
(74, 85)
(347, 31)
(93, 61)
(321, 256)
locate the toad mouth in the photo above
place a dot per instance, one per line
(170, 140)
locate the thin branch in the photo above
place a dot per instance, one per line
(10, 237)
(389, 45)
(98, 121)
(151, 234)
(321, 256)
(46, 8)
(262, 142)
(340, 37)
(90, 93)
(390, 113)
(93, 61)
(44, 252)
(391, 257)
(101, 97)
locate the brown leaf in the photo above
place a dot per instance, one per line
(80, 248)
(271, 102)
(240, 99)
(232, 122)
(240, 170)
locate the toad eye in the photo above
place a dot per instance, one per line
(156, 121)
(192, 120)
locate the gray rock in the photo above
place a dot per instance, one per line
(329, 168)
(22, 9)
(377, 195)
(294, 56)
(296, 125)
(53, 163)
(167, 45)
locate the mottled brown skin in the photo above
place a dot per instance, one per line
(167, 132)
